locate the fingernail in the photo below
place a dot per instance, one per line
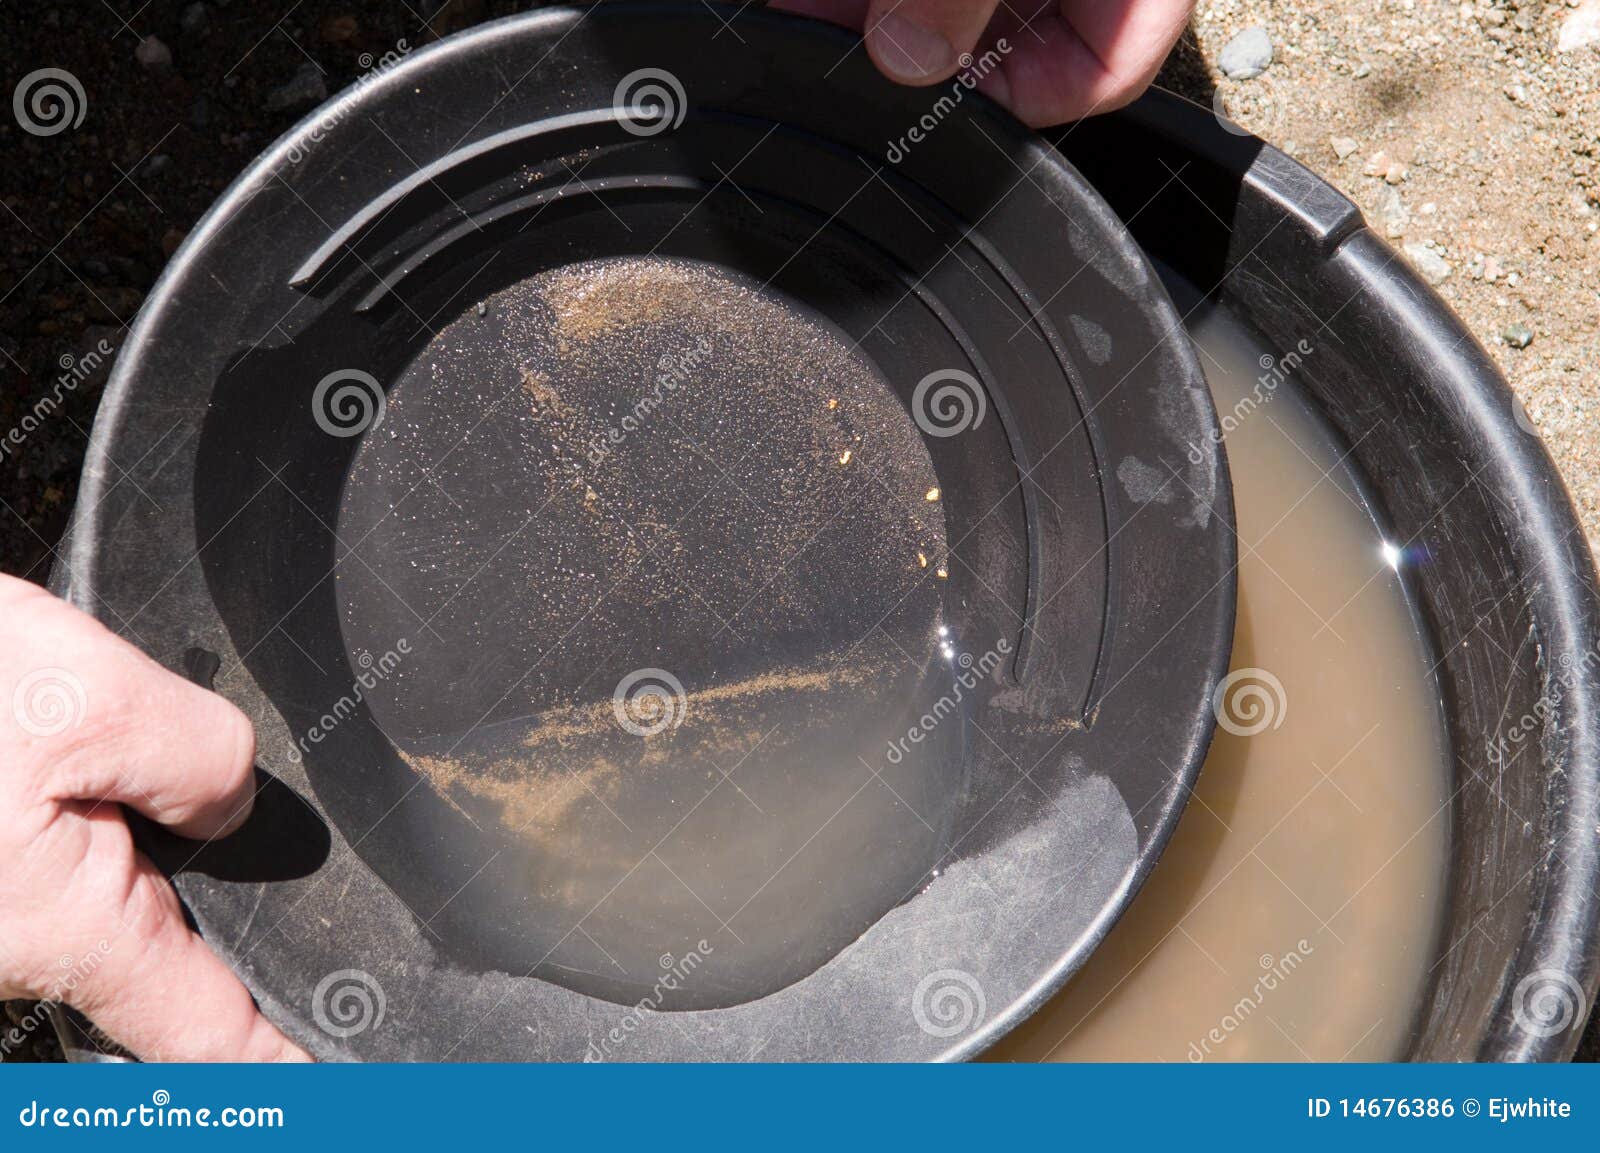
(909, 52)
(996, 87)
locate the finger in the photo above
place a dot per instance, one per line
(95, 719)
(1075, 58)
(159, 991)
(921, 42)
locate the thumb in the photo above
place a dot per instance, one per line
(920, 42)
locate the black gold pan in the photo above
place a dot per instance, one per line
(727, 557)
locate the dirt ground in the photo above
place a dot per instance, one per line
(1459, 127)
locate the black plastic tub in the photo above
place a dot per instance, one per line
(1461, 478)
(1458, 476)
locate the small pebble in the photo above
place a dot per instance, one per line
(1517, 335)
(195, 19)
(153, 54)
(1247, 55)
(1392, 213)
(1343, 146)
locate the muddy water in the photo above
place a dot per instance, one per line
(1294, 913)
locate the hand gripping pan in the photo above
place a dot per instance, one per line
(726, 557)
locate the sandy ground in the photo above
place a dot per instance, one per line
(1458, 126)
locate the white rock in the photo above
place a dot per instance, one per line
(1581, 27)
(1435, 269)
(1392, 212)
(1247, 55)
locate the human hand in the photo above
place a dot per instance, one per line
(1066, 59)
(88, 724)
